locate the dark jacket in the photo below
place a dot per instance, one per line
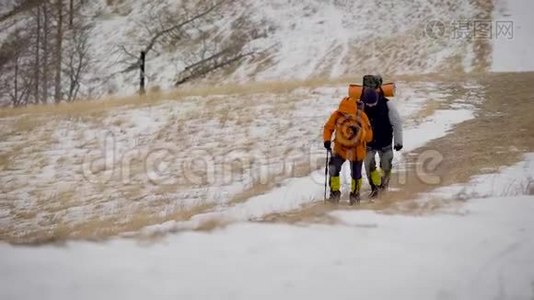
(385, 122)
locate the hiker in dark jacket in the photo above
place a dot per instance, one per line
(386, 124)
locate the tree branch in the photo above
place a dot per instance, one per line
(159, 34)
(210, 64)
(22, 7)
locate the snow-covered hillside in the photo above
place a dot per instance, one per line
(213, 192)
(298, 39)
(287, 39)
(127, 168)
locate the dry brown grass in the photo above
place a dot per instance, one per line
(427, 110)
(98, 229)
(212, 224)
(255, 189)
(154, 96)
(262, 187)
(529, 189)
(314, 213)
(82, 107)
(12, 158)
(25, 124)
(119, 122)
(52, 202)
(96, 108)
(3, 231)
(25, 215)
(4, 161)
(66, 199)
(472, 141)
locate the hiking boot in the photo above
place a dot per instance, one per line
(385, 184)
(334, 196)
(354, 198)
(374, 192)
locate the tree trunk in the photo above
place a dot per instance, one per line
(45, 81)
(58, 56)
(37, 58)
(15, 83)
(71, 12)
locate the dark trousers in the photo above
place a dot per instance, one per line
(335, 167)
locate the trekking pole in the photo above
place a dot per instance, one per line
(326, 173)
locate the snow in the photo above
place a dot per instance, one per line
(478, 245)
(434, 127)
(297, 40)
(292, 40)
(145, 155)
(514, 53)
(334, 38)
(295, 192)
(300, 40)
(485, 252)
(509, 181)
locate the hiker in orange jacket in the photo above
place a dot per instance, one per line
(352, 133)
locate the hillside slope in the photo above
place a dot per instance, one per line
(216, 191)
(298, 40)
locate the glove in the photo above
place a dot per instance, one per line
(397, 147)
(328, 145)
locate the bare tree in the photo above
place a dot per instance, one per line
(42, 58)
(213, 55)
(21, 7)
(37, 55)
(58, 51)
(77, 60)
(71, 13)
(15, 84)
(169, 26)
(211, 63)
(46, 53)
(193, 33)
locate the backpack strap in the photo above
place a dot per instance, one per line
(358, 115)
(381, 91)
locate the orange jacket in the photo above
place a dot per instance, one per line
(352, 130)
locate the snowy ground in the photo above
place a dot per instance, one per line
(356, 257)
(129, 168)
(482, 250)
(295, 192)
(477, 245)
(512, 50)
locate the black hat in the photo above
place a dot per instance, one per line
(372, 81)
